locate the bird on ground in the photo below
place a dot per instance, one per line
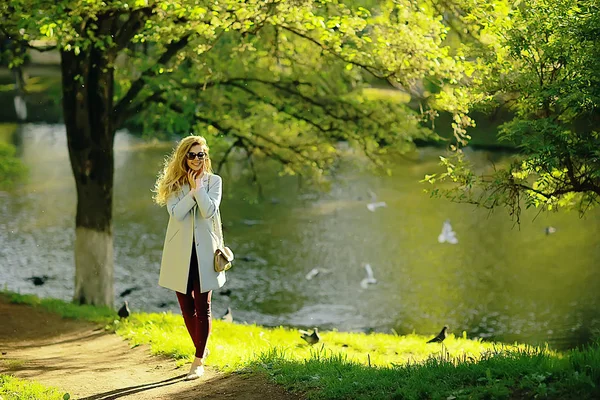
(38, 280)
(369, 279)
(447, 235)
(228, 316)
(550, 230)
(441, 336)
(124, 311)
(310, 338)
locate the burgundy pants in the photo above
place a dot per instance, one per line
(195, 308)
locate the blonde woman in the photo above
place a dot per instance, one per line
(192, 194)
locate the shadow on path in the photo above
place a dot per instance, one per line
(115, 394)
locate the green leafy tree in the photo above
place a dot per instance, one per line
(283, 79)
(544, 65)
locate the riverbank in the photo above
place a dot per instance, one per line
(44, 106)
(342, 366)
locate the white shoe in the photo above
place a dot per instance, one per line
(195, 373)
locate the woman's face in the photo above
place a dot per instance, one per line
(196, 163)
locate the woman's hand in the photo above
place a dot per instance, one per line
(191, 175)
(199, 176)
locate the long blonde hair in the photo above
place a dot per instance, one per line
(174, 173)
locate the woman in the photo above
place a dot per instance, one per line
(192, 194)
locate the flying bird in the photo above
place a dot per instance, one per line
(124, 311)
(312, 273)
(369, 279)
(550, 230)
(38, 280)
(228, 316)
(373, 206)
(441, 336)
(447, 235)
(311, 338)
(128, 291)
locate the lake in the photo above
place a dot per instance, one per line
(501, 281)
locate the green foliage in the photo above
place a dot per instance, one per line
(543, 66)
(11, 168)
(283, 79)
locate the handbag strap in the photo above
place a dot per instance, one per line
(218, 215)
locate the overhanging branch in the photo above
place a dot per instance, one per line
(136, 87)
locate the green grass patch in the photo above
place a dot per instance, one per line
(12, 388)
(13, 364)
(362, 366)
(500, 374)
(102, 315)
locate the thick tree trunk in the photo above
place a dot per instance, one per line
(87, 80)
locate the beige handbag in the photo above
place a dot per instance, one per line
(223, 254)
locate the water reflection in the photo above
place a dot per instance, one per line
(499, 281)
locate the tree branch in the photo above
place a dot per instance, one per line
(236, 143)
(136, 87)
(370, 69)
(129, 28)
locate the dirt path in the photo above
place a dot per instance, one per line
(83, 360)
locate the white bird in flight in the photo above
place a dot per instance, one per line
(373, 206)
(312, 273)
(447, 235)
(369, 279)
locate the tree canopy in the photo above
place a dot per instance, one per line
(282, 78)
(544, 66)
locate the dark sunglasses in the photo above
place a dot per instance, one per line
(191, 155)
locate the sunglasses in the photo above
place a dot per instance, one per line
(191, 155)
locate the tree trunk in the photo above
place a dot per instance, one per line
(87, 81)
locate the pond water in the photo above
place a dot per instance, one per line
(500, 281)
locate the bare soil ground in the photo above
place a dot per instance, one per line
(88, 363)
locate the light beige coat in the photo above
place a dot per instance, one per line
(190, 218)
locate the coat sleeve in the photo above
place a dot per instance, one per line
(178, 208)
(208, 200)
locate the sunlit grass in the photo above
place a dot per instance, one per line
(35, 84)
(12, 364)
(12, 388)
(102, 315)
(233, 346)
(358, 365)
(501, 374)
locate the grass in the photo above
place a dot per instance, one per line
(362, 366)
(12, 388)
(501, 374)
(13, 364)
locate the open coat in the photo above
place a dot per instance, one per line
(190, 220)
